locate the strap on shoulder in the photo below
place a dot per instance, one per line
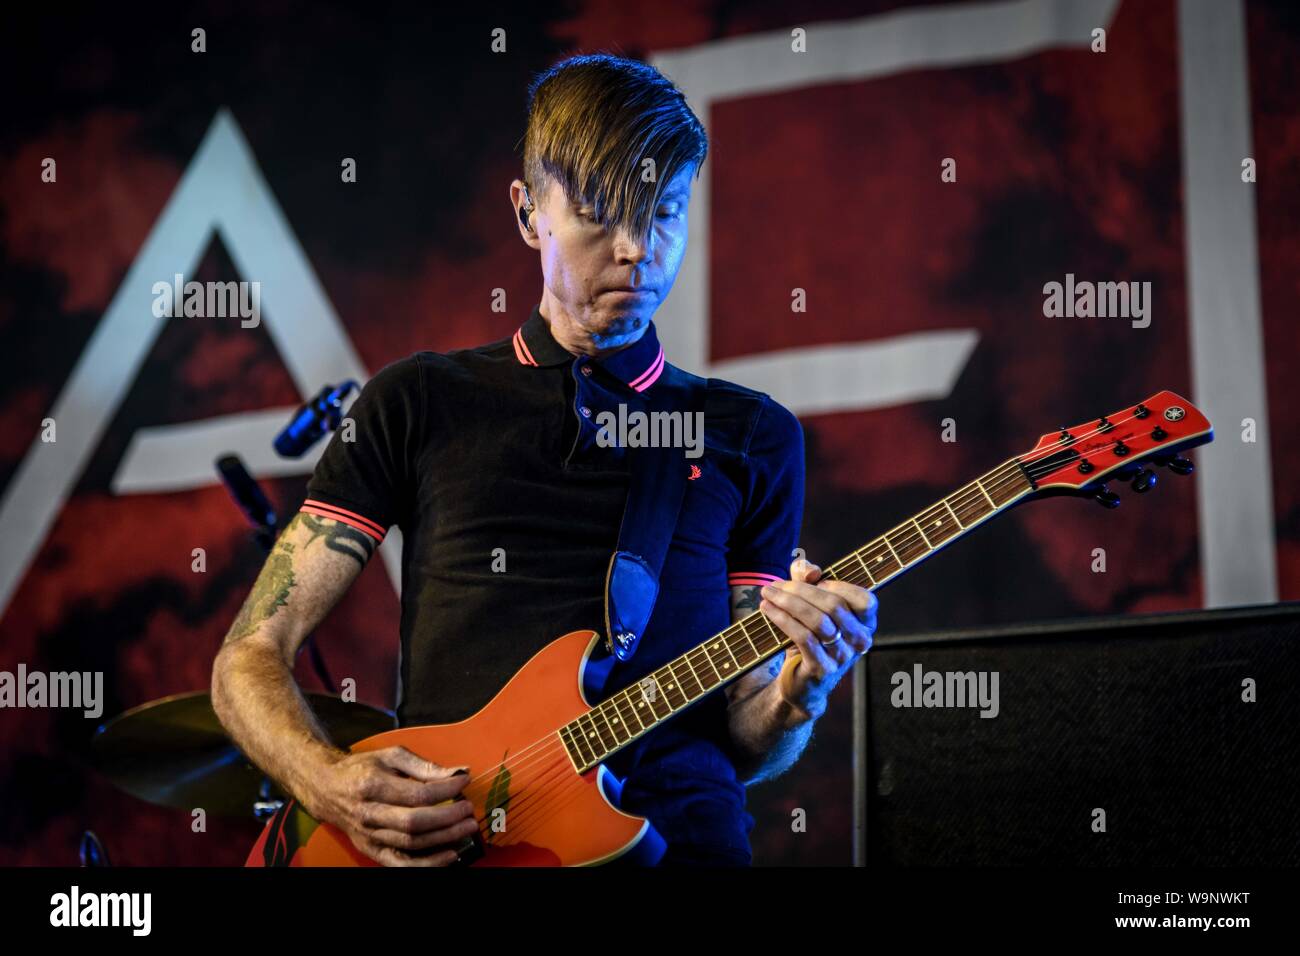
(656, 486)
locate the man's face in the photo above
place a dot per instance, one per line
(587, 269)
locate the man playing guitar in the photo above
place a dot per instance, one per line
(488, 460)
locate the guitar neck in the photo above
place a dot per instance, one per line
(638, 709)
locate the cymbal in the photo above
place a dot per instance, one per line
(174, 752)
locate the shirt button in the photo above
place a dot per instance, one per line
(586, 370)
(586, 412)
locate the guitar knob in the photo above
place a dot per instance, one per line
(1107, 499)
(1145, 481)
(468, 850)
(1181, 466)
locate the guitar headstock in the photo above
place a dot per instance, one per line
(1119, 446)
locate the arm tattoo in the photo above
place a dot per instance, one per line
(271, 590)
(269, 594)
(340, 537)
(746, 600)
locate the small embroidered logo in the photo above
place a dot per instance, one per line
(695, 472)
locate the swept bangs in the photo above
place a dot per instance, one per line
(593, 123)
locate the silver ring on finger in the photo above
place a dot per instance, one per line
(839, 635)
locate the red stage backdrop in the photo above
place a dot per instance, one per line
(924, 303)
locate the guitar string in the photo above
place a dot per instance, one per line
(1000, 476)
(558, 800)
(545, 791)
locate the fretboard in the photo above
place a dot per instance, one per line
(666, 692)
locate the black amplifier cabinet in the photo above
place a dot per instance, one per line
(1151, 740)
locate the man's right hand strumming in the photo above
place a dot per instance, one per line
(397, 808)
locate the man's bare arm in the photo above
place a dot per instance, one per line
(767, 732)
(312, 565)
(392, 803)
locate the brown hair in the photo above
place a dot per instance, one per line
(593, 120)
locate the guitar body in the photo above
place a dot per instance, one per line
(537, 811)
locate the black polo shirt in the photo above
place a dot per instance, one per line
(487, 460)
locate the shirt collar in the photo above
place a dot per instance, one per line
(638, 366)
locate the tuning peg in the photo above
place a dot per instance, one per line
(1107, 498)
(1175, 463)
(1144, 481)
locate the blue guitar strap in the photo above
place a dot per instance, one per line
(656, 486)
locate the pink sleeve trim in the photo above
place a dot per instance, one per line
(351, 518)
(744, 578)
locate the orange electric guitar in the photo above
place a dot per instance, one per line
(540, 792)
